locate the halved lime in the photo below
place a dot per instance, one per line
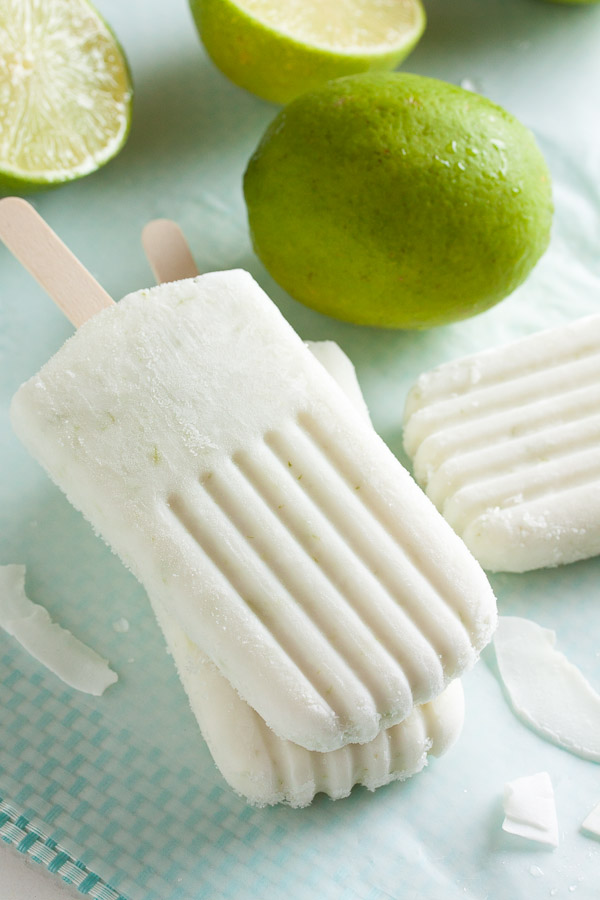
(279, 49)
(65, 93)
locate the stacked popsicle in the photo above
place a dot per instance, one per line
(304, 582)
(506, 443)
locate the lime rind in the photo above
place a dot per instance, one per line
(278, 67)
(76, 116)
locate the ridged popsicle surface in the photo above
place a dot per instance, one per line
(267, 770)
(507, 445)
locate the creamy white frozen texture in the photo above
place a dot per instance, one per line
(529, 808)
(266, 769)
(205, 443)
(56, 648)
(547, 691)
(507, 445)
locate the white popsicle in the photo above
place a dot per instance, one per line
(266, 769)
(507, 445)
(201, 438)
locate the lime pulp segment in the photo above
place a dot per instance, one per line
(350, 26)
(64, 90)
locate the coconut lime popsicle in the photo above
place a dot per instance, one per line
(195, 430)
(506, 443)
(257, 764)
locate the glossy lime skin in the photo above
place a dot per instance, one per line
(273, 66)
(398, 201)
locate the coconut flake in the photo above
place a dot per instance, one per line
(529, 809)
(591, 824)
(547, 691)
(56, 648)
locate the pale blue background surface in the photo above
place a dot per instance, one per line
(124, 782)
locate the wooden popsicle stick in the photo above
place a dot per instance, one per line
(167, 251)
(51, 263)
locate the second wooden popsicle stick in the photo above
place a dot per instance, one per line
(31, 240)
(167, 251)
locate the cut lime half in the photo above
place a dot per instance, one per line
(279, 49)
(65, 93)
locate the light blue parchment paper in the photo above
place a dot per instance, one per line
(119, 793)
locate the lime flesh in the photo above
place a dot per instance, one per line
(398, 201)
(65, 93)
(346, 25)
(279, 50)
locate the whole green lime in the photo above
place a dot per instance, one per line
(397, 201)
